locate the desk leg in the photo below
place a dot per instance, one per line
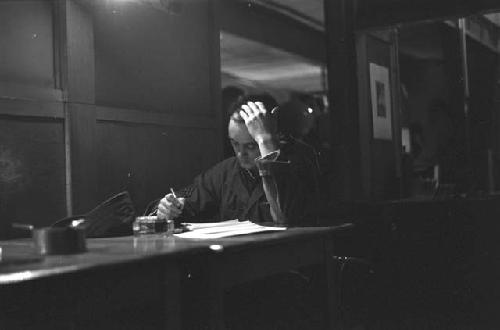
(332, 285)
(215, 296)
(172, 296)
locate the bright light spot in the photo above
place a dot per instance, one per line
(309, 110)
(16, 277)
(216, 247)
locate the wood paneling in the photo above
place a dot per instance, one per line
(147, 160)
(31, 171)
(27, 44)
(157, 95)
(82, 143)
(154, 66)
(77, 39)
(31, 108)
(153, 118)
(78, 76)
(59, 150)
(343, 97)
(32, 180)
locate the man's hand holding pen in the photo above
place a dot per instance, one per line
(170, 206)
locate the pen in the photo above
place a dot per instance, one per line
(178, 204)
(155, 211)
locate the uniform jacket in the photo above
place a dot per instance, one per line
(290, 178)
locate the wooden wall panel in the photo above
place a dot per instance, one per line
(26, 43)
(147, 160)
(32, 160)
(77, 67)
(78, 52)
(80, 132)
(150, 59)
(31, 171)
(123, 96)
(343, 98)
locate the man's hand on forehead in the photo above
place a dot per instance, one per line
(260, 123)
(251, 110)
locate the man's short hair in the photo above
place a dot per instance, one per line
(266, 99)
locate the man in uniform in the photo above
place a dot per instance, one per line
(268, 180)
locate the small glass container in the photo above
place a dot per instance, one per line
(146, 225)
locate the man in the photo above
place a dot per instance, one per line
(268, 180)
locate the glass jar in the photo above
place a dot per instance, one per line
(145, 225)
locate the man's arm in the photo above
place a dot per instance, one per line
(289, 182)
(198, 201)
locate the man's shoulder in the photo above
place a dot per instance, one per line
(223, 166)
(297, 147)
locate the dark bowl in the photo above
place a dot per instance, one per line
(59, 240)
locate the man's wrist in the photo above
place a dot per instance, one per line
(267, 144)
(264, 173)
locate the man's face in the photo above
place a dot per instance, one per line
(244, 146)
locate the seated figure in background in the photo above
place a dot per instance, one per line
(268, 180)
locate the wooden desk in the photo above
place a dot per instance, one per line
(242, 259)
(130, 282)
(120, 283)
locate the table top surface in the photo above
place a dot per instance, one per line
(19, 261)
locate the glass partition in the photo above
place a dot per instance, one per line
(445, 79)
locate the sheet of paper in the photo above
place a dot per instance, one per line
(201, 225)
(224, 229)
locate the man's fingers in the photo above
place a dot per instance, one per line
(162, 208)
(173, 206)
(261, 107)
(248, 111)
(251, 110)
(175, 201)
(170, 207)
(181, 201)
(244, 115)
(254, 108)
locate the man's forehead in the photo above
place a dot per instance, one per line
(239, 132)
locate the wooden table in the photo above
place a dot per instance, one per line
(129, 282)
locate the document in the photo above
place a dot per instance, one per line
(224, 229)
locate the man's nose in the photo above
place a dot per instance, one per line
(241, 151)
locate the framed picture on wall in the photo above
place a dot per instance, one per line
(381, 102)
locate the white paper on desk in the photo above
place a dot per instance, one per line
(201, 225)
(224, 229)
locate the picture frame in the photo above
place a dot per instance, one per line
(380, 92)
